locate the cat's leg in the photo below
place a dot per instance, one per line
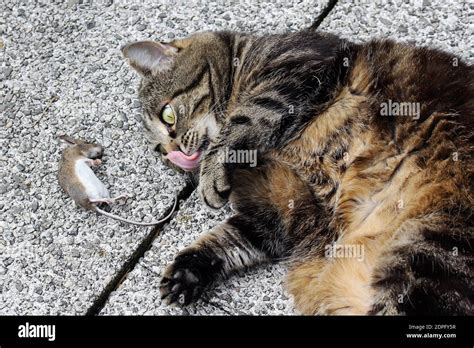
(217, 254)
(275, 212)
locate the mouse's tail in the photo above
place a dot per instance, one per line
(119, 218)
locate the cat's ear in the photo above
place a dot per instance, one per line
(149, 57)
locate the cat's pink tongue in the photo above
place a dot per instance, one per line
(183, 161)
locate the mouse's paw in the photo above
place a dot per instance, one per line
(107, 201)
(124, 197)
(93, 162)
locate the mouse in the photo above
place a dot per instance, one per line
(78, 180)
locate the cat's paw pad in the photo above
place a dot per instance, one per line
(180, 285)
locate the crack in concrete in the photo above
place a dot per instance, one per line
(142, 248)
(324, 13)
(147, 242)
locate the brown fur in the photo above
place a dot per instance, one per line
(337, 171)
(68, 181)
(383, 189)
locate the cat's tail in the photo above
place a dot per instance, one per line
(329, 6)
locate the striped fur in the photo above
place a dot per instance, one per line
(333, 170)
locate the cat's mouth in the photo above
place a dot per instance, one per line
(185, 162)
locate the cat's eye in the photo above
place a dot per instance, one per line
(167, 115)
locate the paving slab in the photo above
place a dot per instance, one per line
(256, 292)
(444, 24)
(61, 72)
(259, 291)
(66, 76)
(435, 23)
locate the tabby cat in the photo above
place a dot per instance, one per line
(363, 182)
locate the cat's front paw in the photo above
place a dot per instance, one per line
(185, 279)
(180, 286)
(214, 186)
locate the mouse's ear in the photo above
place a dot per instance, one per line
(150, 57)
(68, 139)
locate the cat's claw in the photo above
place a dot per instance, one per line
(181, 285)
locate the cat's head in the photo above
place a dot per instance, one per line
(182, 91)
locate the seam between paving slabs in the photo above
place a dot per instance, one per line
(99, 303)
(324, 13)
(147, 242)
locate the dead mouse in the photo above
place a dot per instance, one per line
(79, 181)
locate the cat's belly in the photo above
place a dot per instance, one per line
(94, 188)
(374, 199)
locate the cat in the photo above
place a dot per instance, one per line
(363, 181)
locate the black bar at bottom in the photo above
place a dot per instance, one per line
(291, 331)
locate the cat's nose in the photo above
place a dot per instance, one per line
(164, 149)
(160, 149)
